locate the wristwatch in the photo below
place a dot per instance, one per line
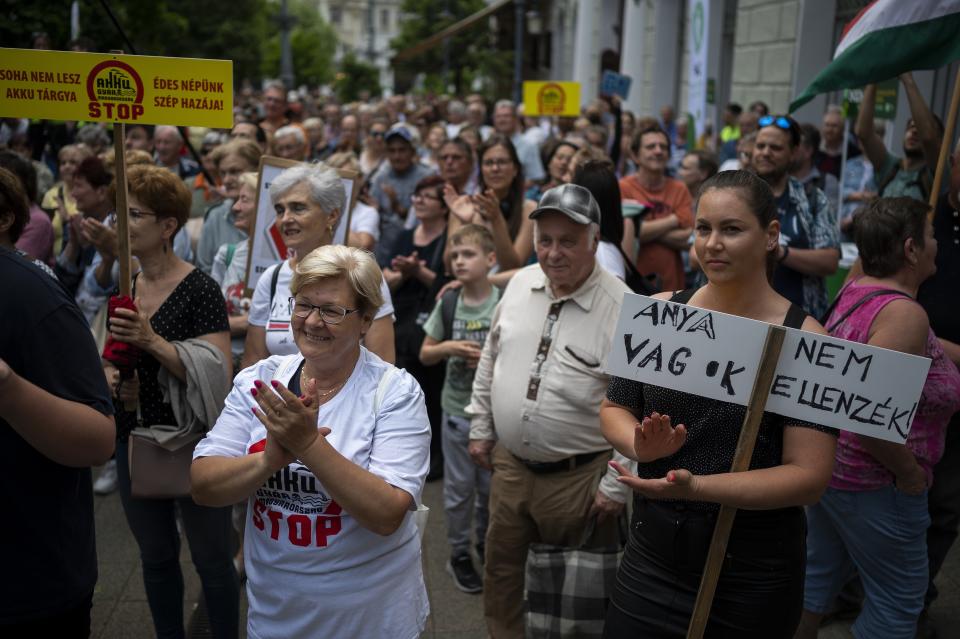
(786, 252)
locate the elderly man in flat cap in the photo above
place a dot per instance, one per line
(536, 402)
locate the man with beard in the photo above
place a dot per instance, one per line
(809, 239)
(912, 175)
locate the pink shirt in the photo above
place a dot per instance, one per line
(37, 236)
(855, 469)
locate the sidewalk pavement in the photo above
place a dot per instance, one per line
(120, 608)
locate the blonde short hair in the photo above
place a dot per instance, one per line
(356, 266)
(249, 180)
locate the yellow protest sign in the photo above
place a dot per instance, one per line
(551, 98)
(62, 85)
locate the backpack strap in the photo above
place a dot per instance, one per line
(274, 277)
(448, 308)
(795, 317)
(382, 388)
(860, 302)
(682, 297)
(886, 182)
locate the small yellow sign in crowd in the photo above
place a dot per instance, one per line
(551, 98)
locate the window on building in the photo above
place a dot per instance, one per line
(336, 15)
(385, 19)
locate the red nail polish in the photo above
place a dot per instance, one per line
(254, 409)
(253, 391)
(275, 383)
(257, 383)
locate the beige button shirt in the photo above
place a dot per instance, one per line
(540, 380)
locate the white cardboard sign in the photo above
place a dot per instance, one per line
(266, 243)
(820, 379)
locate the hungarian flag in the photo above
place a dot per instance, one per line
(887, 38)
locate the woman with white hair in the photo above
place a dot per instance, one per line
(329, 445)
(310, 202)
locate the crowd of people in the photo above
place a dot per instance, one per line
(461, 335)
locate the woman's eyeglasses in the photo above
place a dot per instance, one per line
(499, 163)
(136, 214)
(329, 313)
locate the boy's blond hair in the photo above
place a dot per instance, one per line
(475, 233)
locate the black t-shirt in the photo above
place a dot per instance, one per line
(937, 295)
(713, 427)
(409, 296)
(195, 307)
(50, 562)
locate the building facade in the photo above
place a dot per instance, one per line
(767, 50)
(365, 28)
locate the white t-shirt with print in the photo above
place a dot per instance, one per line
(275, 318)
(312, 570)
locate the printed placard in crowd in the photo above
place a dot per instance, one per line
(821, 379)
(132, 89)
(266, 242)
(613, 83)
(551, 98)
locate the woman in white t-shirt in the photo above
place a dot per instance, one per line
(309, 201)
(330, 445)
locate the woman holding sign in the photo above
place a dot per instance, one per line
(884, 483)
(309, 201)
(178, 310)
(685, 446)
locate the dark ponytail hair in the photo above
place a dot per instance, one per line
(755, 193)
(598, 177)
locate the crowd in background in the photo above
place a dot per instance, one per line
(441, 176)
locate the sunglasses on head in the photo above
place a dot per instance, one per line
(776, 120)
(783, 123)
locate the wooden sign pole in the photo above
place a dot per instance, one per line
(741, 463)
(946, 145)
(123, 227)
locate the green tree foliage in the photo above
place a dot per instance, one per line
(356, 79)
(473, 52)
(216, 29)
(313, 43)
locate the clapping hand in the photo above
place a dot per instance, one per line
(460, 205)
(103, 237)
(654, 438)
(291, 421)
(487, 204)
(406, 265)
